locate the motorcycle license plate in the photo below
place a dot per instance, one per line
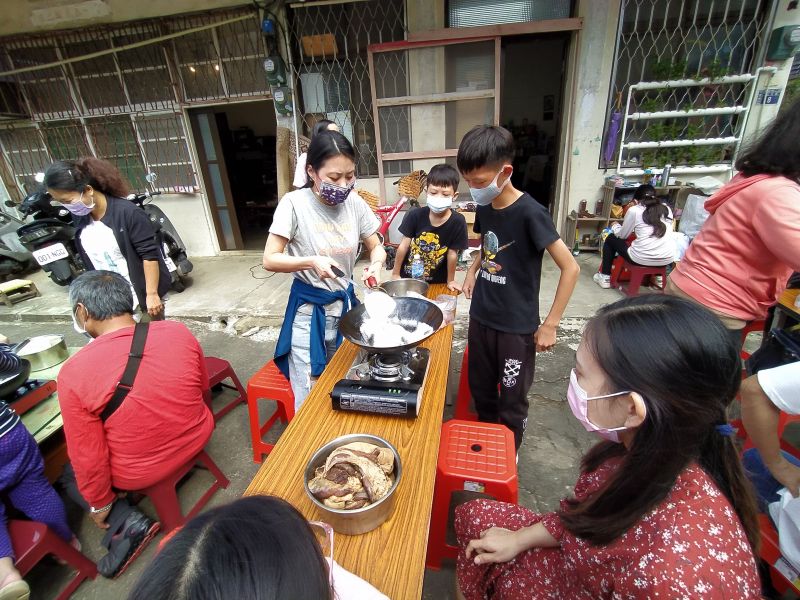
(50, 254)
(168, 261)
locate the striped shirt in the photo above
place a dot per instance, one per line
(9, 366)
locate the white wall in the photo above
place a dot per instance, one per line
(190, 216)
(588, 104)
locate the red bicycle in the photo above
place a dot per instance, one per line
(410, 187)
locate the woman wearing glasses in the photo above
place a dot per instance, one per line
(651, 221)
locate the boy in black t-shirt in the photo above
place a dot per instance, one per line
(503, 282)
(434, 232)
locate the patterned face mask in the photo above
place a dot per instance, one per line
(332, 194)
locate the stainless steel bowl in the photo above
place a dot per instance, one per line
(359, 520)
(411, 310)
(400, 287)
(44, 351)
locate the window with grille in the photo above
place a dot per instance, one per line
(329, 48)
(671, 40)
(25, 152)
(124, 106)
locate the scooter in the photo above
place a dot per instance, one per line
(172, 247)
(14, 257)
(50, 238)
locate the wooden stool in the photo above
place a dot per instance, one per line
(637, 276)
(269, 384)
(218, 371)
(32, 541)
(17, 290)
(476, 457)
(164, 496)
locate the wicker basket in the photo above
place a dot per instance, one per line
(370, 198)
(411, 185)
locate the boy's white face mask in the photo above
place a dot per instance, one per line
(438, 203)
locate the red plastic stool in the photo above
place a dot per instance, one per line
(477, 457)
(637, 275)
(218, 371)
(463, 410)
(164, 496)
(751, 327)
(269, 384)
(32, 541)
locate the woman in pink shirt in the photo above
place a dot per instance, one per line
(739, 263)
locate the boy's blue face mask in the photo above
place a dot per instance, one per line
(484, 196)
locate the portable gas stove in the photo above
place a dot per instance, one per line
(29, 394)
(383, 383)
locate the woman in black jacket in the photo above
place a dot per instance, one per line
(113, 233)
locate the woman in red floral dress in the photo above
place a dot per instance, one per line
(662, 508)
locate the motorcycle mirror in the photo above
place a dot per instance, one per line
(39, 177)
(10, 204)
(151, 177)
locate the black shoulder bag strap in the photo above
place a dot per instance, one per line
(129, 374)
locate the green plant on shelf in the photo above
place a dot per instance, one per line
(664, 70)
(716, 70)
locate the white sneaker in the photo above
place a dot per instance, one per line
(658, 282)
(604, 281)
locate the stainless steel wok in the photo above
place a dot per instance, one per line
(408, 310)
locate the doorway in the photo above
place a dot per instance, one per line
(236, 150)
(531, 103)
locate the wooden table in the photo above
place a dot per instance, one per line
(785, 309)
(391, 557)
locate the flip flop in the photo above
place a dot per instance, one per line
(16, 590)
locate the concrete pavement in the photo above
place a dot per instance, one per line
(237, 316)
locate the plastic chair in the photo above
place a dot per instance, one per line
(477, 457)
(32, 541)
(269, 384)
(218, 371)
(464, 411)
(637, 275)
(164, 495)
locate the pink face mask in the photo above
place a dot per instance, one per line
(579, 403)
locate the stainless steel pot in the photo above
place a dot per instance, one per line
(359, 520)
(400, 287)
(411, 310)
(43, 351)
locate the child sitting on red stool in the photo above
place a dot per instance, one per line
(651, 221)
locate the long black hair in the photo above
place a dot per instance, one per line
(259, 548)
(75, 175)
(775, 150)
(654, 209)
(320, 126)
(680, 358)
(326, 145)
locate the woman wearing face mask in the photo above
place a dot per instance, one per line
(113, 233)
(662, 507)
(319, 227)
(434, 232)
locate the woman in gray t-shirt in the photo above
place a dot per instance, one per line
(314, 229)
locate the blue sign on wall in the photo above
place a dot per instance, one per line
(769, 96)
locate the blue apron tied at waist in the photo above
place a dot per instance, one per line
(303, 293)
